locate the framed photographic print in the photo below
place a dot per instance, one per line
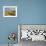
(9, 11)
(33, 32)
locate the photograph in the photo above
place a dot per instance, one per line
(30, 33)
(9, 11)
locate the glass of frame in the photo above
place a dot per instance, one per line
(9, 11)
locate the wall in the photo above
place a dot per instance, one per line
(29, 12)
(7, 25)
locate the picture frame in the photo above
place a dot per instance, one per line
(39, 28)
(9, 11)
